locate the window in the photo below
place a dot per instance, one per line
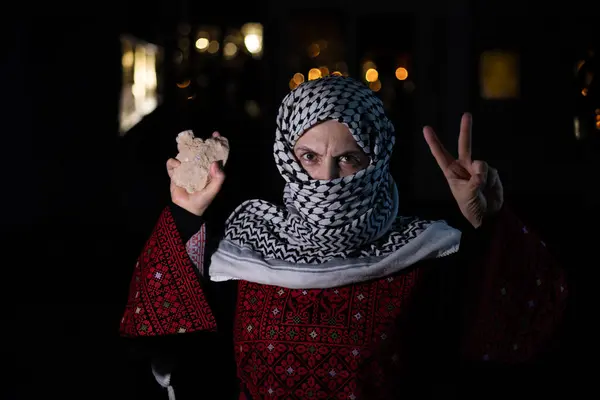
(140, 65)
(499, 75)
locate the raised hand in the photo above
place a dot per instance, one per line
(196, 202)
(476, 187)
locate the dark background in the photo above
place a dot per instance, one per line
(79, 200)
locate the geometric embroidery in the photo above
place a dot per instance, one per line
(195, 248)
(521, 296)
(357, 341)
(301, 344)
(165, 295)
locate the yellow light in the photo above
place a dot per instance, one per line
(584, 92)
(313, 74)
(293, 84)
(336, 73)
(298, 78)
(127, 59)
(324, 71)
(314, 50)
(137, 90)
(253, 38)
(202, 43)
(252, 43)
(138, 94)
(499, 75)
(375, 86)
(368, 65)
(401, 74)
(252, 108)
(230, 50)
(371, 75)
(213, 47)
(184, 84)
(139, 72)
(151, 79)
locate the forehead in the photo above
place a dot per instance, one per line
(328, 132)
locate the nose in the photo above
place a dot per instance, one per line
(331, 169)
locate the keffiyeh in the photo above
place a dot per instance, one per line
(330, 232)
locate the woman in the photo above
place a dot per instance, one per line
(335, 295)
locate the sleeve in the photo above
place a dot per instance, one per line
(165, 295)
(516, 293)
(188, 224)
(172, 313)
(192, 230)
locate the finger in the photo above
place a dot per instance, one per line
(499, 190)
(464, 138)
(477, 181)
(178, 194)
(493, 178)
(441, 155)
(495, 190)
(217, 177)
(480, 168)
(216, 134)
(172, 163)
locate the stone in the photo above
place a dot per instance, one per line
(196, 156)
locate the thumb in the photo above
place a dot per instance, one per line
(477, 181)
(479, 173)
(480, 168)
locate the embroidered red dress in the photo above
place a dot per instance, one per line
(499, 301)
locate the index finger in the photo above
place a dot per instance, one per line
(464, 138)
(172, 163)
(441, 155)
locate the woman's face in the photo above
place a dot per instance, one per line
(328, 151)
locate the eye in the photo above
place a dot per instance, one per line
(308, 157)
(353, 160)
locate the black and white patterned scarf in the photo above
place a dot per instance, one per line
(330, 232)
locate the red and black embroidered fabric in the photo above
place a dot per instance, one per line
(339, 343)
(520, 296)
(165, 295)
(363, 340)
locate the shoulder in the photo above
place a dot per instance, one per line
(441, 265)
(433, 271)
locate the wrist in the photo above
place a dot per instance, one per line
(476, 224)
(198, 212)
(474, 219)
(487, 220)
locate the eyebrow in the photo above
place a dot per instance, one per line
(345, 153)
(304, 148)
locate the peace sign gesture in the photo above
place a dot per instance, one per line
(476, 187)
